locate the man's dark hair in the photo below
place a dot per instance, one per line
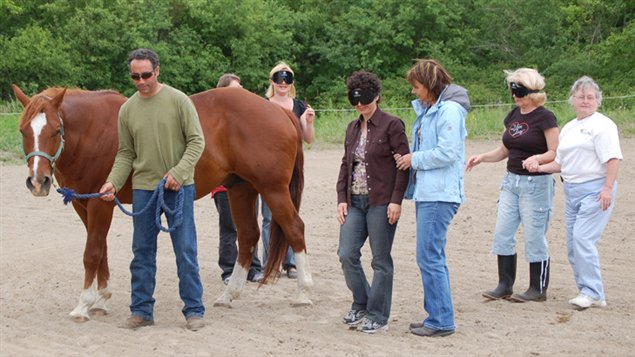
(144, 54)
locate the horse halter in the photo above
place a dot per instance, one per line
(50, 158)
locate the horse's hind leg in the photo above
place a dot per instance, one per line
(286, 218)
(243, 206)
(305, 280)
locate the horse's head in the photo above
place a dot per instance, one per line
(42, 136)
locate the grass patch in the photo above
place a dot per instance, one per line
(10, 139)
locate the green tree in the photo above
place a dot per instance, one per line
(34, 59)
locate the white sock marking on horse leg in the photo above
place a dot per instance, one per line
(86, 300)
(305, 281)
(234, 288)
(237, 281)
(100, 304)
(304, 271)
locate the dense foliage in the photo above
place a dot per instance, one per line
(84, 43)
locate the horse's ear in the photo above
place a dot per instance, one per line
(20, 95)
(58, 99)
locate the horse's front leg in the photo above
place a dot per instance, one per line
(86, 299)
(234, 287)
(103, 292)
(97, 219)
(246, 247)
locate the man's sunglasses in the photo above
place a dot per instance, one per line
(282, 76)
(520, 91)
(363, 96)
(138, 76)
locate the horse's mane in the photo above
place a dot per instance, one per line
(39, 100)
(53, 91)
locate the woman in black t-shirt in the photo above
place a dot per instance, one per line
(530, 139)
(282, 92)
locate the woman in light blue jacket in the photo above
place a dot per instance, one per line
(436, 184)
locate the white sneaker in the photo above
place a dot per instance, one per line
(584, 302)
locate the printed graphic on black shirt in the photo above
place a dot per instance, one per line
(517, 129)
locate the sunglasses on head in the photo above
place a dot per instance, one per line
(364, 96)
(519, 90)
(282, 76)
(138, 76)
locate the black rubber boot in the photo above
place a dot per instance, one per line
(506, 278)
(538, 283)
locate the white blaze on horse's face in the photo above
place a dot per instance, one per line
(37, 124)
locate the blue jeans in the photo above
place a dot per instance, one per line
(227, 250)
(433, 220)
(289, 260)
(143, 267)
(362, 222)
(526, 200)
(585, 224)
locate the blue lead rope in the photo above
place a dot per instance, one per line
(70, 194)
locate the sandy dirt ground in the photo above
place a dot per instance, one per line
(41, 274)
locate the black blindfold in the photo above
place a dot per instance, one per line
(363, 96)
(519, 90)
(282, 76)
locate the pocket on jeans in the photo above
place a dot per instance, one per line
(505, 183)
(541, 215)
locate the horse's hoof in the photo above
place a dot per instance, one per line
(98, 312)
(301, 303)
(223, 301)
(80, 319)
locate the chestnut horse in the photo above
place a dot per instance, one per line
(252, 146)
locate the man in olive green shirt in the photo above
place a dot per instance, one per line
(160, 136)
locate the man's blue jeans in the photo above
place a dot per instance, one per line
(143, 267)
(433, 220)
(368, 222)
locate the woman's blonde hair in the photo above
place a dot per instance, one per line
(281, 66)
(530, 79)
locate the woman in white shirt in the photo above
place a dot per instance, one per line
(588, 159)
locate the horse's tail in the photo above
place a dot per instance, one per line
(297, 178)
(278, 243)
